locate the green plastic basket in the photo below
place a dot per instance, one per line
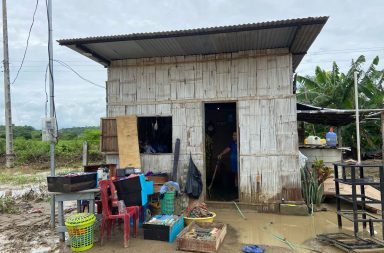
(167, 203)
(80, 230)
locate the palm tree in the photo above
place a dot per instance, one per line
(334, 89)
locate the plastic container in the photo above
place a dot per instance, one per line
(63, 183)
(80, 230)
(313, 140)
(331, 138)
(168, 203)
(188, 220)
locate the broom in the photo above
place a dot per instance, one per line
(213, 177)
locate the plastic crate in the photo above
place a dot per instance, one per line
(162, 232)
(134, 191)
(63, 183)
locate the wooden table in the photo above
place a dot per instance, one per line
(60, 197)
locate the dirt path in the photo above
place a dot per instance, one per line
(28, 232)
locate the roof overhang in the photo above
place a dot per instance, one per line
(297, 35)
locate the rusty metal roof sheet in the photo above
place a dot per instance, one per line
(295, 34)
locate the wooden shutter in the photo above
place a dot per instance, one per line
(108, 143)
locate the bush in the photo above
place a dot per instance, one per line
(29, 148)
(312, 180)
(8, 205)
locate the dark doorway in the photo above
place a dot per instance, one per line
(220, 127)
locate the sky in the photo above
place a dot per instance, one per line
(354, 28)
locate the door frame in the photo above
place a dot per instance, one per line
(238, 143)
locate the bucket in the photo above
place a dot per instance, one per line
(168, 203)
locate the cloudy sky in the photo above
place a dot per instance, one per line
(354, 28)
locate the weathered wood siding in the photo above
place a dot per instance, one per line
(260, 81)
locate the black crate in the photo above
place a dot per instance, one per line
(72, 184)
(163, 232)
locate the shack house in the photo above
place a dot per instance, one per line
(203, 85)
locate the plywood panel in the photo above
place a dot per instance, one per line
(128, 142)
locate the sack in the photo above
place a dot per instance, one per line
(194, 185)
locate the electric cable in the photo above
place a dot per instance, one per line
(26, 47)
(74, 71)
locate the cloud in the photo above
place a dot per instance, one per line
(352, 24)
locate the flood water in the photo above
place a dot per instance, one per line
(269, 230)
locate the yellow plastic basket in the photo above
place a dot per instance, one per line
(188, 220)
(80, 230)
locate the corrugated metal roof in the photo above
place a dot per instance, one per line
(329, 116)
(295, 34)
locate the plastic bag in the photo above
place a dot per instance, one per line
(302, 160)
(194, 185)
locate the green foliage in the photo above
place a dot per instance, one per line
(8, 205)
(29, 148)
(74, 132)
(323, 172)
(312, 180)
(312, 190)
(19, 178)
(334, 89)
(91, 135)
(23, 132)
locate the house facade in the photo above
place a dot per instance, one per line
(178, 74)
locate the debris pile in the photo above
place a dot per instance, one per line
(199, 211)
(207, 234)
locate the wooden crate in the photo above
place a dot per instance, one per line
(189, 244)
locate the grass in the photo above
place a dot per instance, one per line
(19, 179)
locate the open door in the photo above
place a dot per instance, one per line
(221, 138)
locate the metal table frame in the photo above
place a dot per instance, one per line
(60, 197)
(355, 181)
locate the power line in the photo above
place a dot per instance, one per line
(26, 47)
(74, 71)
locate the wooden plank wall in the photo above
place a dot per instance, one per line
(261, 83)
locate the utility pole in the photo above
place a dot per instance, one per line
(51, 105)
(7, 94)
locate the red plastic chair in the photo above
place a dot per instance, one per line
(108, 217)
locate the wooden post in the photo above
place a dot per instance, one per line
(85, 153)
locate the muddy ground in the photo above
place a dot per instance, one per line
(29, 231)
